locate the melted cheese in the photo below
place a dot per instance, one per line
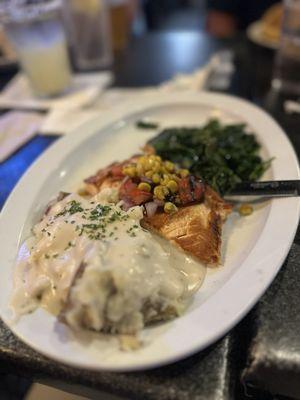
(94, 261)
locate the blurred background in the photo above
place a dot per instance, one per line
(130, 19)
(86, 35)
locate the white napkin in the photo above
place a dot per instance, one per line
(63, 122)
(84, 90)
(16, 128)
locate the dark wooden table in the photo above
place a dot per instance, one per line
(261, 356)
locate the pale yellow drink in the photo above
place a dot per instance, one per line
(47, 68)
(38, 36)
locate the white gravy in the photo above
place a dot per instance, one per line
(81, 237)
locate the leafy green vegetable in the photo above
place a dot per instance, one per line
(146, 125)
(222, 155)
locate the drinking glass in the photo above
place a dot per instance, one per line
(88, 26)
(286, 76)
(119, 15)
(36, 31)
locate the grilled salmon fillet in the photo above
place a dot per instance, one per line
(196, 228)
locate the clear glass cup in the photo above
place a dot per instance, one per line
(88, 26)
(36, 31)
(286, 77)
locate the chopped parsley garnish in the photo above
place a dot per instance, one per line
(99, 211)
(73, 207)
(70, 244)
(132, 234)
(97, 220)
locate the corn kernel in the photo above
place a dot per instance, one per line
(152, 158)
(184, 173)
(148, 165)
(155, 178)
(140, 170)
(175, 178)
(170, 208)
(149, 174)
(163, 170)
(156, 166)
(169, 166)
(172, 186)
(165, 179)
(144, 186)
(142, 160)
(165, 190)
(130, 171)
(160, 192)
(158, 158)
(245, 210)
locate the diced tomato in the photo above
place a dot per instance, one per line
(141, 196)
(126, 188)
(199, 189)
(184, 191)
(190, 190)
(130, 192)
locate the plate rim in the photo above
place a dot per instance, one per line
(115, 116)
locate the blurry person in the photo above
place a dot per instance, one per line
(226, 17)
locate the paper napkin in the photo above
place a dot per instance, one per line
(16, 128)
(84, 90)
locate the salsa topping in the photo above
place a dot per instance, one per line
(150, 179)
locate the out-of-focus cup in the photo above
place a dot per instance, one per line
(119, 15)
(36, 32)
(88, 26)
(286, 77)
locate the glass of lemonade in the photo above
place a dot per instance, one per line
(36, 31)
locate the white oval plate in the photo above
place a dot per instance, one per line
(254, 248)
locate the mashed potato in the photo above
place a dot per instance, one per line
(93, 265)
